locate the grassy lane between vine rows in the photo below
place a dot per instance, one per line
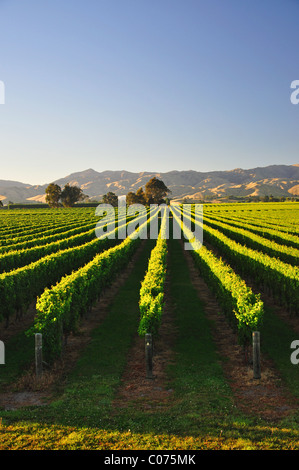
(201, 412)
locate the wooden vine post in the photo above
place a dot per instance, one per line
(149, 355)
(38, 355)
(256, 355)
(2, 353)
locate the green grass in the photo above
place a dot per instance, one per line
(197, 374)
(200, 415)
(19, 353)
(276, 339)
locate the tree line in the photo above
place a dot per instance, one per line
(155, 192)
(66, 197)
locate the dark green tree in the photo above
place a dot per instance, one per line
(110, 198)
(141, 199)
(53, 193)
(71, 194)
(131, 198)
(136, 198)
(155, 191)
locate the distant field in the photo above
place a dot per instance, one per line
(94, 300)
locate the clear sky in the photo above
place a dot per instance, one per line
(146, 85)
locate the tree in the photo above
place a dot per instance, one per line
(110, 198)
(141, 199)
(131, 198)
(136, 198)
(155, 191)
(53, 194)
(71, 194)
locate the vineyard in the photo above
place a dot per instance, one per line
(145, 344)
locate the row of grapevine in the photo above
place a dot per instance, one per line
(284, 216)
(11, 236)
(25, 223)
(282, 237)
(60, 308)
(53, 235)
(20, 257)
(17, 258)
(242, 307)
(280, 278)
(19, 287)
(151, 302)
(47, 237)
(50, 228)
(285, 253)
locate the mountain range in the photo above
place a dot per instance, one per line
(276, 180)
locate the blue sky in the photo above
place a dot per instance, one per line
(146, 85)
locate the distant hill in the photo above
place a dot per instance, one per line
(275, 180)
